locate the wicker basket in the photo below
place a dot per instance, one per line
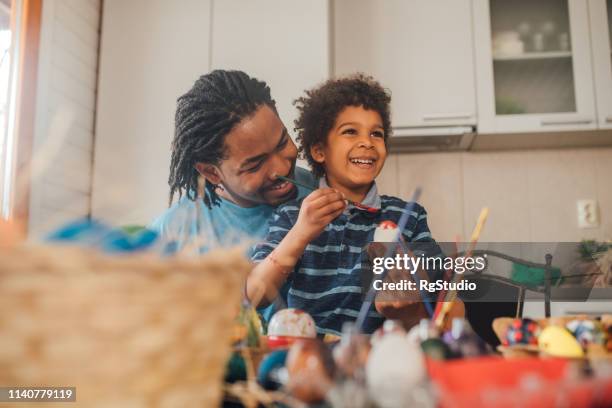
(130, 331)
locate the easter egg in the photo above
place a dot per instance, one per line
(558, 342)
(385, 232)
(288, 324)
(587, 332)
(395, 367)
(522, 331)
(310, 370)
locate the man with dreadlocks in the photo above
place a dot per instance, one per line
(229, 145)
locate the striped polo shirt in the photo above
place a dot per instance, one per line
(327, 280)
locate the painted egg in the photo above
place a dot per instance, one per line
(587, 332)
(385, 232)
(558, 342)
(394, 369)
(292, 323)
(310, 370)
(522, 331)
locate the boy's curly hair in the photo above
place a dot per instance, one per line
(321, 106)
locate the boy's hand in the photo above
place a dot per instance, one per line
(318, 209)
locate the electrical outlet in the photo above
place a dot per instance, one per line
(588, 214)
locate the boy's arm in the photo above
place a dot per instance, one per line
(318, 209)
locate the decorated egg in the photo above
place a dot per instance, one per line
(558, 342)
(522, 331)
(394, 370)
(587, 332)
(288, 324)
(310, 370)
(385, 232)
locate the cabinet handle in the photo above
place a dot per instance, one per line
(567, 122)
(447, 116)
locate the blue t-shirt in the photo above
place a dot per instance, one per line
(192, 222)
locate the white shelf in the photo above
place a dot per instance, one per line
(533, 55)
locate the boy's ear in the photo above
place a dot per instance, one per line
(316, 151)
(209, 172)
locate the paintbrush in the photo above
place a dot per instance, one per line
(452, 295)
(371, 294)
(311, 188)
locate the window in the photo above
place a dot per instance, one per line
(5, 69)
(19, 43)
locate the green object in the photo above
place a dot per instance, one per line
(235, 369)
(590, 249)
(436, 349)
(132, 229)
(530, 276)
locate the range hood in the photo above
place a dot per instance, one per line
(431, 138)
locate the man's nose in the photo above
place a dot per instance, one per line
(280, 166)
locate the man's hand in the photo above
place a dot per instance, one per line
(318, 209)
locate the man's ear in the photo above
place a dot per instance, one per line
(209, 172)
(316, 151)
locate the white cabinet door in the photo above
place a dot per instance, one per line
(600, 12)
(421, 50)
(283, 42)
(533, 66)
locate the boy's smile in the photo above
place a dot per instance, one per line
(354, 152)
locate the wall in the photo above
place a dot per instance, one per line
(151, 52)
(267, 40)
(531, 194)
(64, 127)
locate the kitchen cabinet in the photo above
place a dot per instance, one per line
(600, 14)
(421, 50)
(282, 42)
(533, 66)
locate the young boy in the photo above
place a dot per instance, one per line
(316, 244)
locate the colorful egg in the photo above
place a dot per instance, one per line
(292, 323)
(587, 332)
(558, 342)
(522, 331)
(385, 232)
